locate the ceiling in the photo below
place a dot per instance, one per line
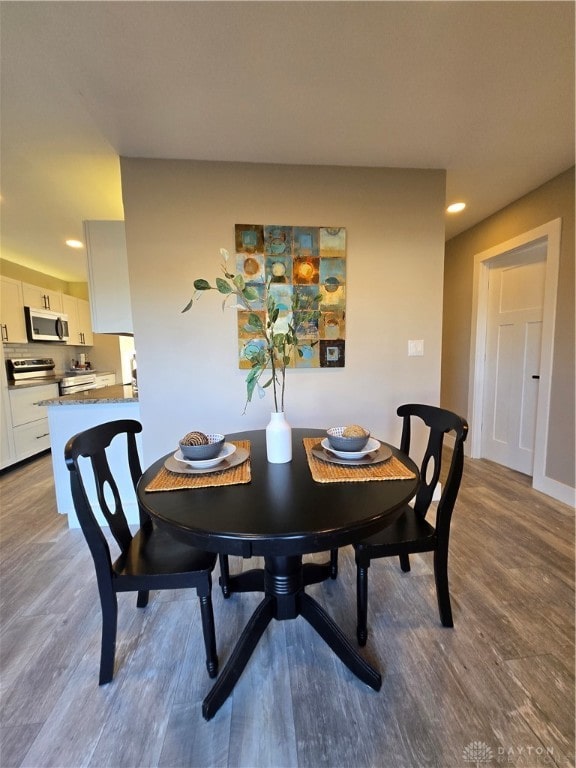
(482, 89)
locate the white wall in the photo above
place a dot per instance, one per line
(180, 213)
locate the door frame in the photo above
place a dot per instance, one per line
(482, 263)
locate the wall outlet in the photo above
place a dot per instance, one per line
(415, 347)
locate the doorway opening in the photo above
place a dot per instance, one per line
(544, 240)
(512, 360)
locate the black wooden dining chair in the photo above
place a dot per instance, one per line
(149, 559)
(412, 532)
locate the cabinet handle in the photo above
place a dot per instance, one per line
(39, 437)
(4, 332)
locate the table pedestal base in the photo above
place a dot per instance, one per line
(283, 582)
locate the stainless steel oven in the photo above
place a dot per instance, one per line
(33, 369)
(41, 369)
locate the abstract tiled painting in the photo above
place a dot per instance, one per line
(307, 262)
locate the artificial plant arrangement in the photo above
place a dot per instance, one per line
(277, 332)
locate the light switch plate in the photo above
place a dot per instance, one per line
(415, 347)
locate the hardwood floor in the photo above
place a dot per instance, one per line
(497, 689)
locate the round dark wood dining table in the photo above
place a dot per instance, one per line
(280, 515)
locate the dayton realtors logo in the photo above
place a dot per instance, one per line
(478, 753)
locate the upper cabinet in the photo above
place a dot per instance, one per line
(108, 280)
(15, 295)
(12, 323)
(42, 298)
(79, 321)
(85, 320)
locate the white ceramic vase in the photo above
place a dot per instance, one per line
(278, 439)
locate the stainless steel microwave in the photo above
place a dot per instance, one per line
(44, 325)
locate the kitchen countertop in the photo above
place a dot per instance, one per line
(118, 393)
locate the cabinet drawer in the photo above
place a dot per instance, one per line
(31, 438)
(23, 403)
(105, 380)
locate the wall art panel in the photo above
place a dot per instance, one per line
(294, 262)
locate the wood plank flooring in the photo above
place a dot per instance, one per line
(501, 682)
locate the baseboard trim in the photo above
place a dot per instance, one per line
(559, 491)
(556, 490)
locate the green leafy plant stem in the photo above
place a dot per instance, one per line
(278, 347)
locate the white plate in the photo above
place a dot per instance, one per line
(371, 445)
(239, 456)
(383, 453)
(227, 450)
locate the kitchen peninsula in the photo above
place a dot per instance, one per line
(70, 414)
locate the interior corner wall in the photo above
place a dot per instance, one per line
(552, 200)
(179, 214)
(27, 275)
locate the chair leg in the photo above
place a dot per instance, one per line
(209, 633)
(142, 600)
(224, 575)
(333, 563)
(109, 605)
(405, 563)
(442, 591)
(362, 603)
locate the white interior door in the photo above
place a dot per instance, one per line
(512, 365)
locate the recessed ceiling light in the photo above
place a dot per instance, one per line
(74, 244)
(456, 207)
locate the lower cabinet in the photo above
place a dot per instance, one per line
(6, 436)
(105, 380)
(31, 438)
(29, 420)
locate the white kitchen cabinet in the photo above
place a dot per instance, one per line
(24, 403)
(108, 280)
(42, 298)
(85, 320)
(70, 308)
(105, 380)
(30, 439)
(12, 323)
(79, 321)
(7, 451)
(30, 432)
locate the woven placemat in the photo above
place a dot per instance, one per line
(326, 472)
(170, 481)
